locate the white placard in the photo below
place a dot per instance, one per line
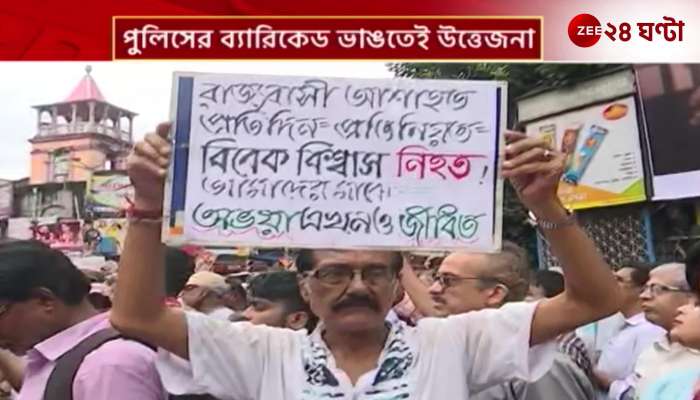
(336, 163)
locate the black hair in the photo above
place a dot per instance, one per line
(179, 266)
(27, 265)
(640, 271)
(306, 260)
(692, 268)
(282, 286)
(551, 281)
(236, 286)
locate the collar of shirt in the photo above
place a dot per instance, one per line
(635, 319)
(666, 345)
(59, 344)
(395, 348)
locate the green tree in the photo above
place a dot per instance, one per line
(522, 79)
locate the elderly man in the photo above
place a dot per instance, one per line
(619, 355)
(354, 353)
(469, 282)
(665, 370)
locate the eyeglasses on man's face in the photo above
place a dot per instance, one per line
(448, 281)
(656, 289)
(338, 275)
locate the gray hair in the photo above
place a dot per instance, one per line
(674, 271)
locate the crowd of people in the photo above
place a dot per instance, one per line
(351, 324)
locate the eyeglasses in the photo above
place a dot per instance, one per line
(656, 289)
(447, 281)
(373, 276)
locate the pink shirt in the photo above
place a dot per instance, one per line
(119, 369)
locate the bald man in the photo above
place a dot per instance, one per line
(475, 281)
(468, 282)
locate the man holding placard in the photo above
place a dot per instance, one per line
(354, 353)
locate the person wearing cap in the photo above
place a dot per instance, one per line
(275, 300)
(205, 292)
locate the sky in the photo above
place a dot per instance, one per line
(142, 87)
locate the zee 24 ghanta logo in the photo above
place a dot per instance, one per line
(585, 30)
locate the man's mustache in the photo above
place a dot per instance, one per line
(356, 301)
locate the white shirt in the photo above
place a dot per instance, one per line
(222, 313)
(439, 359)
(619, 355)
(664, 371)
(597, 334)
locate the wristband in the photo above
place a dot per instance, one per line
(135, 213)
(569, 220)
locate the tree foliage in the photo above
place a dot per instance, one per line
(522, 79)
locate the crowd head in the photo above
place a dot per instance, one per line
(474, 281)
(275, 300)
(40, 289)
(350, 290)
(686, 324)
(665, 291)
(632, 277)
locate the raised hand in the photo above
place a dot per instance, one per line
(147, 167)
(534, 170)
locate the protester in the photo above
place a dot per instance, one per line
(545, 284)
(205, 292)
(666, 370)
(620, 353)
(471, 282)
(686, 329)
(46, 314)
(354, 352)
(276, 300)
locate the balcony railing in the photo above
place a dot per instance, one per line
(82, 127)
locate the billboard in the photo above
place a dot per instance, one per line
(670, 97)
(109, 194)
(63, 234)
(604, 161)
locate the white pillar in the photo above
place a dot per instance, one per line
(38, 120)
(74, 117)
(118, 125)
(91, 119)
(54, 121)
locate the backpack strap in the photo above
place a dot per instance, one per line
(60, 383)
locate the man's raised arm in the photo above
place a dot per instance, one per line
(139, 309)
(591, 292)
